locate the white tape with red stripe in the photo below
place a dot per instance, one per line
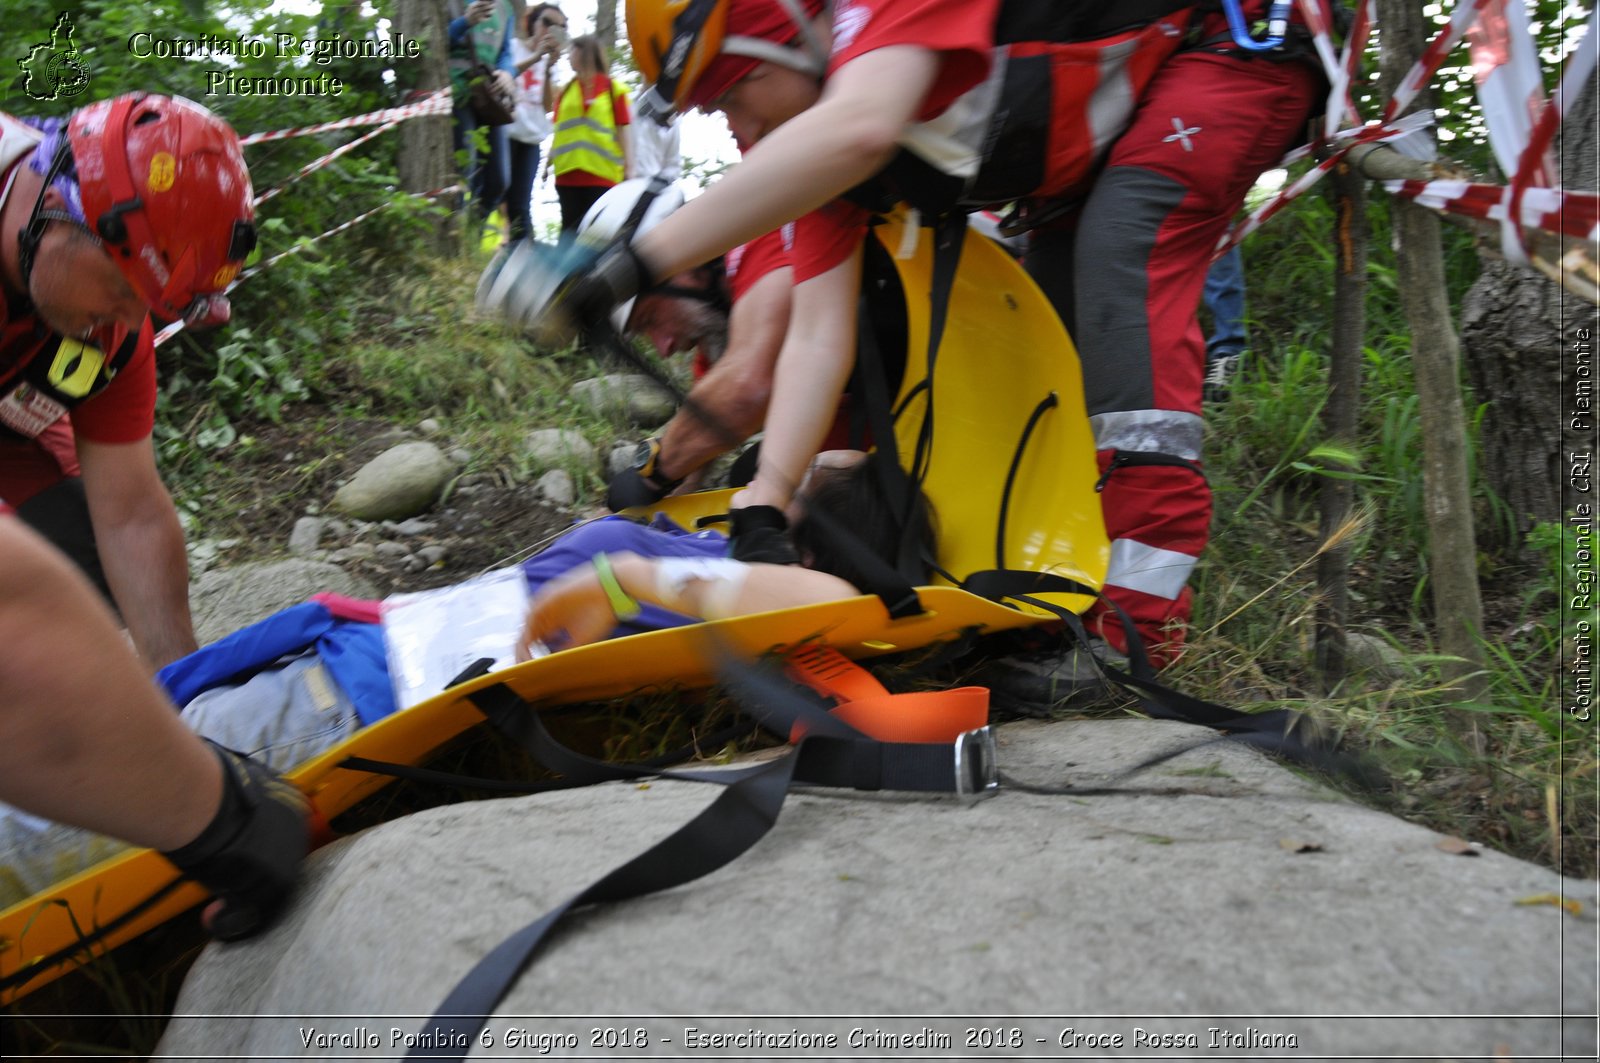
(177, 326)
(1575, 214)
(313, 167)
(1432, 57)
(1367, 134)
(437, 102)
(1516, 206)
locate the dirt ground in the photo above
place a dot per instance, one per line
(486, 519)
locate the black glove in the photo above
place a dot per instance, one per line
(250, 852)
(761, 533)
(557, 294)
(640, 484)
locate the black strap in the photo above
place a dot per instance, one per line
(897, 485)
(1049, 402)
(949, 234)
(831, 754)
(87, 941)
(900, 483)
(1279, 730)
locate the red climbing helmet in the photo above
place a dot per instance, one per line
(165, 187)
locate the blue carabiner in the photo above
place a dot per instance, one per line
(1277, 25)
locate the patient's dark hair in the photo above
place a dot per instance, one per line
(853, 502)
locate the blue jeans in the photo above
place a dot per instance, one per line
(1224, 298)
(519, 199)
(488, 174)
(281, 718)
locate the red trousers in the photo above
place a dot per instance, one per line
(1126, 275)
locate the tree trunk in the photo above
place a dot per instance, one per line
(1341, 417)
(427, 158)
(1509, 323)
(1435, 356)
(605, 24)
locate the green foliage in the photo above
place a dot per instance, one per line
(289, 315)
(1256, 591)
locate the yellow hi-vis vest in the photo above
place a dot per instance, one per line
(586, 139)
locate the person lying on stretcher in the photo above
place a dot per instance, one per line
(589, 602)
(285, 711)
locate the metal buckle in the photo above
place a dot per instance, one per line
(977, 767)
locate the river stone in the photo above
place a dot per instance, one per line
(556, 486)
(401, 482)
(559, 446)
(305, 535)
(635, 396)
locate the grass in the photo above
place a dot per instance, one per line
(1530, 789)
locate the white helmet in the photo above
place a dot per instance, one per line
(626, 212)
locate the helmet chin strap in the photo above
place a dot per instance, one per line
(808, 57)
(40, 217)
(805, 60)
(813, 45)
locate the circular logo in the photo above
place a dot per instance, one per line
(68, 74)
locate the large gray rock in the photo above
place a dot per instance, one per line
(225, 600)
(1221, 887)
(632, 395)
(401, 482)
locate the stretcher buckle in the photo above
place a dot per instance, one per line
(977, 766)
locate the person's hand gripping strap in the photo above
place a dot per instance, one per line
(250, 853)
(761, 534)
(556, 294)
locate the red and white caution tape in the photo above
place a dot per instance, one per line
(1426, 66)
(1318, 19)
(437, 102)
(1575, 214)
(1372, 133)
(313, 167)
(1525, 203)
(177, 326)
(1534, 159)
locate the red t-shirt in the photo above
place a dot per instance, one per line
(748, 263)
(962, 31)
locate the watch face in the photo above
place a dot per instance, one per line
(643, 456)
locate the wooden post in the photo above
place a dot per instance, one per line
(1435, 357)
(1341, 415)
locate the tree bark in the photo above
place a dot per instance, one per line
(1513, 322)
(605, 24)
(1341, 417)
(427, 158)
(1435, 356)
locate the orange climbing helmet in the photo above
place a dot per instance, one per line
(692, 51)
